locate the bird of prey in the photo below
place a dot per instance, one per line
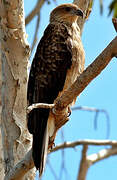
(58, 61)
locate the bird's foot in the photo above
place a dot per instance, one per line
(69, 111)
(51, 145)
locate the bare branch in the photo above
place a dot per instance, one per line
(35, 11)
(52, 170)
(27, 163)
(39, 105)
(86, 162)
(86, 108)
(84, 142)
(102, 154)
(83, 164)
(36, 31)
(93, 70)
(97, 111)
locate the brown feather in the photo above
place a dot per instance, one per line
(58, 61)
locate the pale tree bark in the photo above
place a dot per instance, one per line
(14, 58)
(1, 148)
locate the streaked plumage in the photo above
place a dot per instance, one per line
(58, 61)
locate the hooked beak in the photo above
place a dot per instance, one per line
(79, 12)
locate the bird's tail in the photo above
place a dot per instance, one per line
(40, 150)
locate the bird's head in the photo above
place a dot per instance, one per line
(66, 13)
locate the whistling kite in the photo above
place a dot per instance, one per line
(58, 61)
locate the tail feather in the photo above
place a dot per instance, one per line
(37, 125)
(40, 150)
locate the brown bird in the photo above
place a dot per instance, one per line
(58, 61)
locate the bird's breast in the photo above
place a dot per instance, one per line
(77, 67)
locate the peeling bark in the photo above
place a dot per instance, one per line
(15, 53)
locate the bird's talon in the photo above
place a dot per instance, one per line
(69, 114)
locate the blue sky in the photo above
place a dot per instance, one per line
(100, 93)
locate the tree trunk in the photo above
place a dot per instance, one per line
(15, 52)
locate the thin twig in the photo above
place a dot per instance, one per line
(36, 32)
(97, 111)
(34, 11)
(63, 168)
(52, 170)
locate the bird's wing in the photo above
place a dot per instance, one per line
(49, 67)
(47, 77)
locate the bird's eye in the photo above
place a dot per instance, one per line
(67, 9)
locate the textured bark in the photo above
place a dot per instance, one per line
(14, 57)
(1, 148)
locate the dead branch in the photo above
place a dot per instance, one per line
(84, 142)
(39, 105)
(83, 164)
(36, 32)
(86, 108)
(86, 162)
(35, 11)
(93, 158)
(102, 154)
(97, 111)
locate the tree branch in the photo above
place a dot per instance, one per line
(36, 32)
(35, 11)
(83, 164)
(27, 163)
(102, 154)
(84, 142)
(39, 105)
(92, 71)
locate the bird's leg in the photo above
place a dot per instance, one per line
(60, 119)
(57, 126)
(69, 111)
(51, 144)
